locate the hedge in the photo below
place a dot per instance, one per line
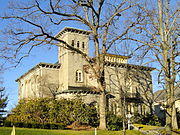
(35, 125)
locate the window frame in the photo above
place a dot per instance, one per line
(72, 43)
(83, 45)
(78, 44)
(79, 76)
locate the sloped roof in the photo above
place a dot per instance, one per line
(160, 95)
(41, 64)
(73, 30)
(118, 56)
(125, 65)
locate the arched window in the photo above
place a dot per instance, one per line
(79, 76)
(78, 44)
(72, 43)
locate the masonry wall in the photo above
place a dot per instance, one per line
(48, 82)
(39, 81)
(71, 61)
(135, 83)
(87, 98)
(35, 83)
(28, 84)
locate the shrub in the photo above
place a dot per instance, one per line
(114, 122)
(31, 112)
(35, 125)
(57, 126)
(2, 121)
(54, 126)
(7, 123)
(147, 119)
(19, 124)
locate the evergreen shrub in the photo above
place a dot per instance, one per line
(52, 114)
(147, 119)
(34, 125)
(7, 123)
(114, 122)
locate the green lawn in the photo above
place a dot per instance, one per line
(25, 131)
(146, 127)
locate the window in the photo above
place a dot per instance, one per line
(72, 43)
(78, 44)
(114, 108)
(83, 45)
(79, 76)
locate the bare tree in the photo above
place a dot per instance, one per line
(160, 38)
(50, 89)
(130, 89)
(3, 101)
(144, 89)
(43, 86)
(1, 72)
(106, 20)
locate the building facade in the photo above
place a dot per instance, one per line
(71, 76)
(160, 102)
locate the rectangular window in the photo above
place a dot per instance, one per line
(79, 79)
(78, 44)
(77, 76)
(83, 45)
(72, 43)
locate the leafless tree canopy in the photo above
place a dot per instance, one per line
(35, 22)
(41, 20)
(159, 38)
(159, 33)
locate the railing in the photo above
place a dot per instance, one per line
(132, 95)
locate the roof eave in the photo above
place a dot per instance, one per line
(66, 29)
(129, 65)
(35, 67)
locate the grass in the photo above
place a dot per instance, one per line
(27, 131)
(149, 127)
(146, 127)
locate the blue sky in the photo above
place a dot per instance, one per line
(39, 54)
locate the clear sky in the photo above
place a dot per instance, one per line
(40, 54)
(10, 75)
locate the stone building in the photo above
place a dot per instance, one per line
(71, 77)
(160, 102)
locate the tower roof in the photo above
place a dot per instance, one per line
(73, 30)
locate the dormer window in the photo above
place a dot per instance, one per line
(79, 76)
(83, 45)
(78, 44)
(72, 43)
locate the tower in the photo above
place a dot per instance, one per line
(71, 72)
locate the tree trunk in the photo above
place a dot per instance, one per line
(124, 115)
(168, 63)
(102, 111)
(174, 118)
